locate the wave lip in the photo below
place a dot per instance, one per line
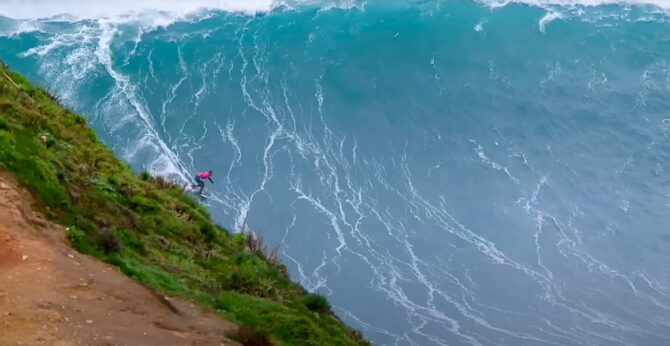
(665, 4)
(73, 10)
(85, 9)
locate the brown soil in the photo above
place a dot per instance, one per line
(52, 295)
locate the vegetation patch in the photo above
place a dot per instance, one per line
(316, 303)
(148, 228)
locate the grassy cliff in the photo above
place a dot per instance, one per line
(148, 227)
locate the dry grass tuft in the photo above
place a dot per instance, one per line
(256, 244)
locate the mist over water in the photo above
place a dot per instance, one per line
(445, 172)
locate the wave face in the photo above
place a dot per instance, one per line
(445, 172)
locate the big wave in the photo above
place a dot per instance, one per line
(487, 172)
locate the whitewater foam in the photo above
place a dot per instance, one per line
(550, 16)
(85, 9)
(169, 10)
(665, 4)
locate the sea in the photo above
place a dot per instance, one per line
(490, 172)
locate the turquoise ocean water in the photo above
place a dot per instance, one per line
(446, 172)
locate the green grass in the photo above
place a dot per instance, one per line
(147, 227)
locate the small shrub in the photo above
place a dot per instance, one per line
(114, 180)
(208, 231)
(249, 336)
(4, 124)
(92, 135)
(78, 119)
(239, 239)
(145, 175)
(109, 241)
(245, 280)
(244, 256)
(316, 302)
(77, 238)
(137, 202)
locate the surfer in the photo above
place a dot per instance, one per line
(199, 180)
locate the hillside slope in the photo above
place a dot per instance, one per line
(147, 227)
(53, 295)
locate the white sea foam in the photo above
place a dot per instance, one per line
(574, 3)
(479, 27)
(24, 27)
(85, 9)
(73, 10)
(550, 16)
(166, 11)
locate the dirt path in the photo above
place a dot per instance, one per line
(52, 295)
